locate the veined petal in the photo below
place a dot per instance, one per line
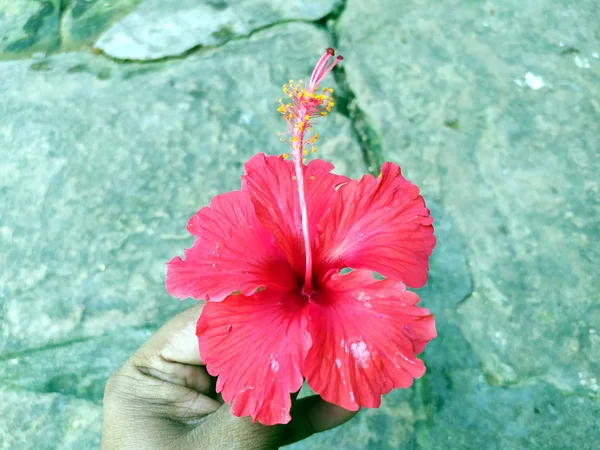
(256, 346)
(272, 185)
(233, 252)
(380, 224)
(365, 335)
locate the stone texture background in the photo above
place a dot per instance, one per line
(119, 119)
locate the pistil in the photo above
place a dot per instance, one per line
(306, 104)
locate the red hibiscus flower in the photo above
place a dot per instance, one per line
(269, 260)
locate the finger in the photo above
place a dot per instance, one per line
(241, 433)
(191, 377)
(172, 354)
(176, 340)
(134, 393)
(312, 415)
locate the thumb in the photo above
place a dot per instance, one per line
(221, 430)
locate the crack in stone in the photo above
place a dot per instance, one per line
(472, 290)
(63, 6)
(368, 138)
(200, 47)
(365, 133)
(152, 327)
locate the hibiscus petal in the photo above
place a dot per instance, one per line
(233, 252)
(271, 182)
(365, 335)
(380, 224)
(256, 346)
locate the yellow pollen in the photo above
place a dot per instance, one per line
(323, 113)
(306, 117)
(284, 156)
(282, 139)
(312, 178)
(294, 177)
(330, 90)
(294, 138)
(314, 150)
(305, 152)
(303, 160)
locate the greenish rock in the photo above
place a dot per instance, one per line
(519, 178)
(84, 20)
(28, 26)
(157, 29)
(499, 124)
(48, 422)
(98, 178)
(75, 369)
(491, 108)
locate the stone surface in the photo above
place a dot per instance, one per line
(492, 108)
(157, 29)
(496, 115)
(77, 368)
(48, 422)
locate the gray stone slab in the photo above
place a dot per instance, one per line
(514, 162)
(75, 369)
(48, 422)
(157, 29)
(495, 114)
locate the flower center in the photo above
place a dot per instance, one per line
(309, 292)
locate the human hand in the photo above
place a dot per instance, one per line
(163, 398)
